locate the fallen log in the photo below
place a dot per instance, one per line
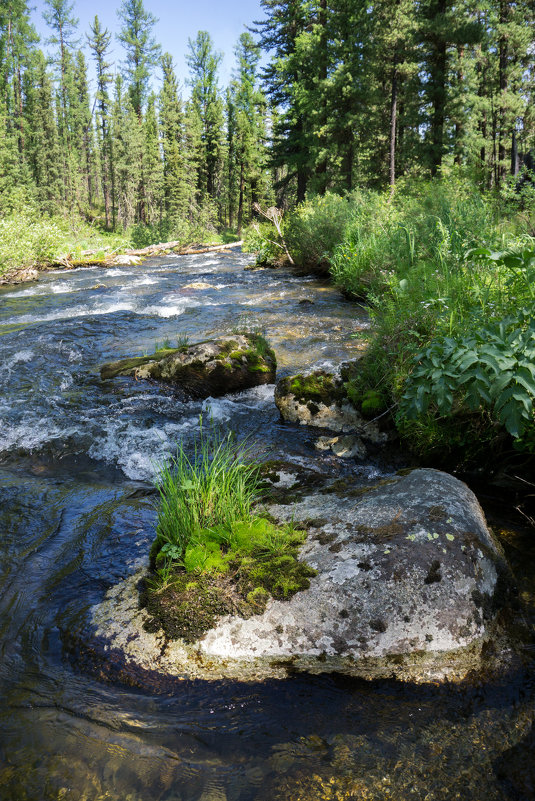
(113, 259)
(191, 251)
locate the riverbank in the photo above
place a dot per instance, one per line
(447, 274)
(31, 243)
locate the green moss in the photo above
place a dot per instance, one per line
(319, 387)
(237, 567)
(370, 402)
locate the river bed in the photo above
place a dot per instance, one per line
(77, 459)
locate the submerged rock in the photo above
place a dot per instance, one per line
(207, 369)
(321, 399)
(347, 446)
(410, 582)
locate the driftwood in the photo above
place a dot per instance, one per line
(274, 215)
(108, 260)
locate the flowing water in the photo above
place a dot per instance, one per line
(77, 456)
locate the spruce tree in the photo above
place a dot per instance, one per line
(178, 180)
(99, 42)
(142, 51)
(207, 107)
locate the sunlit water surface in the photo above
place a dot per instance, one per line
(77, 457)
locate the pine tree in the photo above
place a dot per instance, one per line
(142, 51)
(178, 183)
(81, 120)
(43, 146)
(247, 108)
(207, 107)
(284, 77)
(99, 42)
(153, 178)
(60, 18)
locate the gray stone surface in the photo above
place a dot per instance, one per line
(409, 584)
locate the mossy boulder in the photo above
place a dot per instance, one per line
(410, 583)
(206, 369)
(330, 400)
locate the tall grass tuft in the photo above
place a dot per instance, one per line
(215, 487)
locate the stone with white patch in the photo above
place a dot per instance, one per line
(410, 582)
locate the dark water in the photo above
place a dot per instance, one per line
(76, 460)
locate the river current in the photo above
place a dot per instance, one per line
(77, 460)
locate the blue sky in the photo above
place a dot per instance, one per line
(178, 21)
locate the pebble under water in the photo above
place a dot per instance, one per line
(77, 459)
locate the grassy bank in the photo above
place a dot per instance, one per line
(29, 239)
(449, 277)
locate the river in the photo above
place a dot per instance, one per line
(77, 458)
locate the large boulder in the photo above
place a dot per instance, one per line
(207, 369)
(410, 583)
(322, 399)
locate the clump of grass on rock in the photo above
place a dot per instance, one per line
(214, 552)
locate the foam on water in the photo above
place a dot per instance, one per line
(30, 435)
(22, 356)
(137, 449)
(70, 313)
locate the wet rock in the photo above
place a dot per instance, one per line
(207, 369)
(347, 446)
(124, 260)
(21, 276)
(410, 583)
(320, 399)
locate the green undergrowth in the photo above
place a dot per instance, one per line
(29, 239)
(448, 276)
(215, 553)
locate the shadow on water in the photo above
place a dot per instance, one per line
(76, 514)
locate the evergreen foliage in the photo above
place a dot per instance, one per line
(351, 96)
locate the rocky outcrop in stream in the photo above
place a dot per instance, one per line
(206, 369)
(325, 400)
(410, 584)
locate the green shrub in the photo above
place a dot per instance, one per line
(493, 369)
(441, 268)
(315, 228)
(27, 239)
(261, 238)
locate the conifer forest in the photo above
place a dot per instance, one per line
(326, 95)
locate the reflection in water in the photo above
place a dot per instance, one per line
(76, 515)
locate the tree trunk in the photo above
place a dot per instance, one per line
(502, 50)
(240, 198)
(393, 123)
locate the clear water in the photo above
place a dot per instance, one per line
(77, 457)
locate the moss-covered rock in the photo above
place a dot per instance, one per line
(329, 400)
(410, 583)
(206, 369)
(225, 570)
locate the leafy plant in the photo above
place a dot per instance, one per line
(491, 369)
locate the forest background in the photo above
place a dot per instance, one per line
(349, 94)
